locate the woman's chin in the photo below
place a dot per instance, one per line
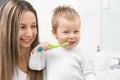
(25, 46)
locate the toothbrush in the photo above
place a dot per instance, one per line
(40, 49)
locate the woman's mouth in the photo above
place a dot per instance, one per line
(26, 40)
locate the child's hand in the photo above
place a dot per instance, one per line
(44, 45)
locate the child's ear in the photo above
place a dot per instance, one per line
(54, 33)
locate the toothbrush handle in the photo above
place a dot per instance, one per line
(40, 49)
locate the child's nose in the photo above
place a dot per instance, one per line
(72, 35)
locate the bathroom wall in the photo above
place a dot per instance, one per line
(110, 28)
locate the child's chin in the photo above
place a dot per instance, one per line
(69, 48)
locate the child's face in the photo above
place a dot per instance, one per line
(27, 29)
(68, 31)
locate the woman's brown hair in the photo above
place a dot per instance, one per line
(10, 14)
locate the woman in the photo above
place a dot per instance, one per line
(18, 36)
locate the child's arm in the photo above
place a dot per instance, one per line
(88, 67)
(38, 59)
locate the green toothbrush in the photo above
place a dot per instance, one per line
(40, 49)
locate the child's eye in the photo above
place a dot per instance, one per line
(76, 31)
(65, 32)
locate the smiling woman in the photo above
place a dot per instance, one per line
(27, 29)
(18, 36)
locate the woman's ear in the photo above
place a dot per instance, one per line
(54, 33)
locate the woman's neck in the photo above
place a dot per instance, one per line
(24, 51)
(24, 59)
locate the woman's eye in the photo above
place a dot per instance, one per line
(22, 27)
(34, 26)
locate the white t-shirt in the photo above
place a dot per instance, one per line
(20, 75)
(62, 64)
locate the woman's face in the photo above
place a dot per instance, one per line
(27, 29)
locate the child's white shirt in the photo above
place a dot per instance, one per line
(61, 64)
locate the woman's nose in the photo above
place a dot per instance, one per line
(28, 32)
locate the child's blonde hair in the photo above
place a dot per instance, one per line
(65, 12)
